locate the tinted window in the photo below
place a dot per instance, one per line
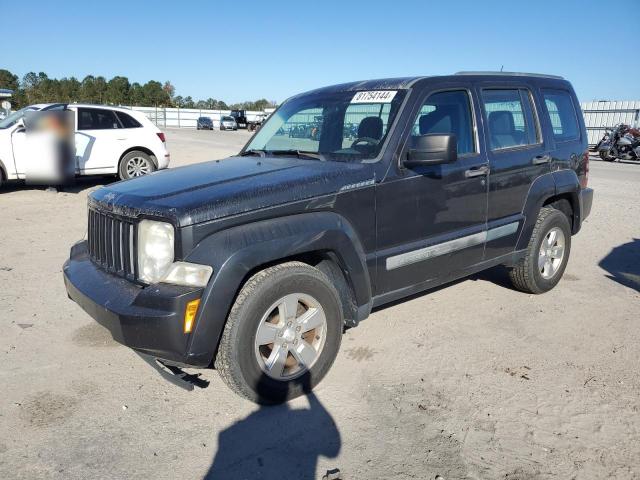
(128, 121)
(562, 114)
(509, 118)
(447, 112)
(96, 119)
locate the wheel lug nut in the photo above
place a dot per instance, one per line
(289, 324)
(297, 329)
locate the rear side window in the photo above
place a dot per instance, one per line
(562, 114)
(447, 112)
(97, 119)
(127, 120)
(510, 118)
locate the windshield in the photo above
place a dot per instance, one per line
(343, 126)
(228, 119)
(14, 117)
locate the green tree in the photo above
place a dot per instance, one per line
(8, 80)
(188, 103)
(136, 95)
(154, 95)
(118, 91)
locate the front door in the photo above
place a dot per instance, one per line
(431, 220)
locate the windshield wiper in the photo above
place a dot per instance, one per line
(259, 153)
(298, 153)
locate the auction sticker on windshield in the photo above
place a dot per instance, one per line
(374, 96)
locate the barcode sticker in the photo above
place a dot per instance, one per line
(374, 96)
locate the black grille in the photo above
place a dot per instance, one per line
(112, 242)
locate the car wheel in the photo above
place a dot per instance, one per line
(135, 164)
(282, 334)
(547, 253)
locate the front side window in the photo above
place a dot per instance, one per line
(510, 119)
(97, 119)
(562, 114)
(447, 112)
(12, 119)
(339, 126)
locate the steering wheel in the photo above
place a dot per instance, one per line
(372, 142)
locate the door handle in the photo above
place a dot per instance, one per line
(540, 159)
(477, 171)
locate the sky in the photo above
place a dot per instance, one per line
(245, 50)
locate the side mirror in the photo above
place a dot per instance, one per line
(432, 149)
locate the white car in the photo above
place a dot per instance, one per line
(108, 140)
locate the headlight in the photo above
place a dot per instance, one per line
(155, 258)
(155, 249)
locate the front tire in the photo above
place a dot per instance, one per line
(547, 253)
(605, 156)
(135, 164)
(282, 334)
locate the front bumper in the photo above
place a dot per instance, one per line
(146, 319)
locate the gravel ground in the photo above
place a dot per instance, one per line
(473, 380)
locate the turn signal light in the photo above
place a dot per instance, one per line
(190, 315)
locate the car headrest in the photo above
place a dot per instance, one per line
(501, 123)
(370, 127)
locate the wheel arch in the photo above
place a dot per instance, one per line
(146, 150)
(321, 239)
(561, 190)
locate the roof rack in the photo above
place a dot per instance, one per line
(512, 74)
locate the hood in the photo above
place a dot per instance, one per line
(216, 189)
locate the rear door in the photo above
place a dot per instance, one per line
(431, 219)
(99, 140)
(517, 156)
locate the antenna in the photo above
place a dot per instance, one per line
(501, 67)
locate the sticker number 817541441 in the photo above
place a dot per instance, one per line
(374, 96)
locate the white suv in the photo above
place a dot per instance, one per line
(108, 140)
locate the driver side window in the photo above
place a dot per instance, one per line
(447, 112)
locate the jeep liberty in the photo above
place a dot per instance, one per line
(254, 265)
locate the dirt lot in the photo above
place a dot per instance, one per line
(474, 380)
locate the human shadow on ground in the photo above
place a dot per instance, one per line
(276, 442)
(623, 264)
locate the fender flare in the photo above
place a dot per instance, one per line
(542, 189)
(235, 252)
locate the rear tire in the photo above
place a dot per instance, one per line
(547, 253)
(135, 164)
(265, 348)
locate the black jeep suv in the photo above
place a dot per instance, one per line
(255, 265)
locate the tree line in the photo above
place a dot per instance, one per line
(39, 88)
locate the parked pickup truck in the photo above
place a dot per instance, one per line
(255, 265)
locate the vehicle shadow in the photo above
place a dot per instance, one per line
(78, 185)
(623, 264)
(276, 442)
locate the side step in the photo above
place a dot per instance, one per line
(174, 374)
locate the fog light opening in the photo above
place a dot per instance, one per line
(190, 315)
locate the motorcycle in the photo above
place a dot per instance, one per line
(621, 142)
